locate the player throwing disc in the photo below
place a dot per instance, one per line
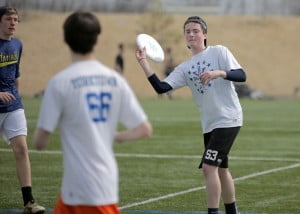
(153, 49)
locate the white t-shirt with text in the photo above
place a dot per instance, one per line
(87, 101)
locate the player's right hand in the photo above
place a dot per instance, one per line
(6, 97)
(140, 54)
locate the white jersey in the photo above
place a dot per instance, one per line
(218, 101)
(88, 100)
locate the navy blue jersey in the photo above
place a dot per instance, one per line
(10, 54)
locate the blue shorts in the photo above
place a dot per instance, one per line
(217, 145)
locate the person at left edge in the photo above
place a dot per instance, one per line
(12, 116)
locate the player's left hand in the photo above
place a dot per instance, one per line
(207, 76)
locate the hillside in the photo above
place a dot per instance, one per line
(266, 47)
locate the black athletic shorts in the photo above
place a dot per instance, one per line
(217, 145)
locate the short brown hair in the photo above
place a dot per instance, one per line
(6, 10)
(81, 30)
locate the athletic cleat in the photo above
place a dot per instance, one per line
(33, 208)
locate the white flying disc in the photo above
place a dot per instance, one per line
(153, 48)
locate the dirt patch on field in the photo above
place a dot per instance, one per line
(266, 47)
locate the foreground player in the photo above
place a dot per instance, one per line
(209, 74)
(12, 116)
(87, 100)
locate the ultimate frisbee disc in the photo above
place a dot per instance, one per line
(153, 48)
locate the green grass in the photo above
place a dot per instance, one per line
(269, 139)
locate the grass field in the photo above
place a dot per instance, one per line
(160, 175)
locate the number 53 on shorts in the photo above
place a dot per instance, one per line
(211, 155)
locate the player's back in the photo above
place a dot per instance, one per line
(90, 94)
(91, 100)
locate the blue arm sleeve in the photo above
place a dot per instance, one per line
(236, 75)
(159, 86)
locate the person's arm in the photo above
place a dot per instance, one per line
(7, 97)
(159, 86)
(139, 132)
(236, 75)
(17, 84)
(41, 138)
(142, 59)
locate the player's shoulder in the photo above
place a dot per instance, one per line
(182, 65)
(108, 71)
(16, 41)
(86, 68)
(13, 42)
(217, 48)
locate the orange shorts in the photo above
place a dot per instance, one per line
(61, 208)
